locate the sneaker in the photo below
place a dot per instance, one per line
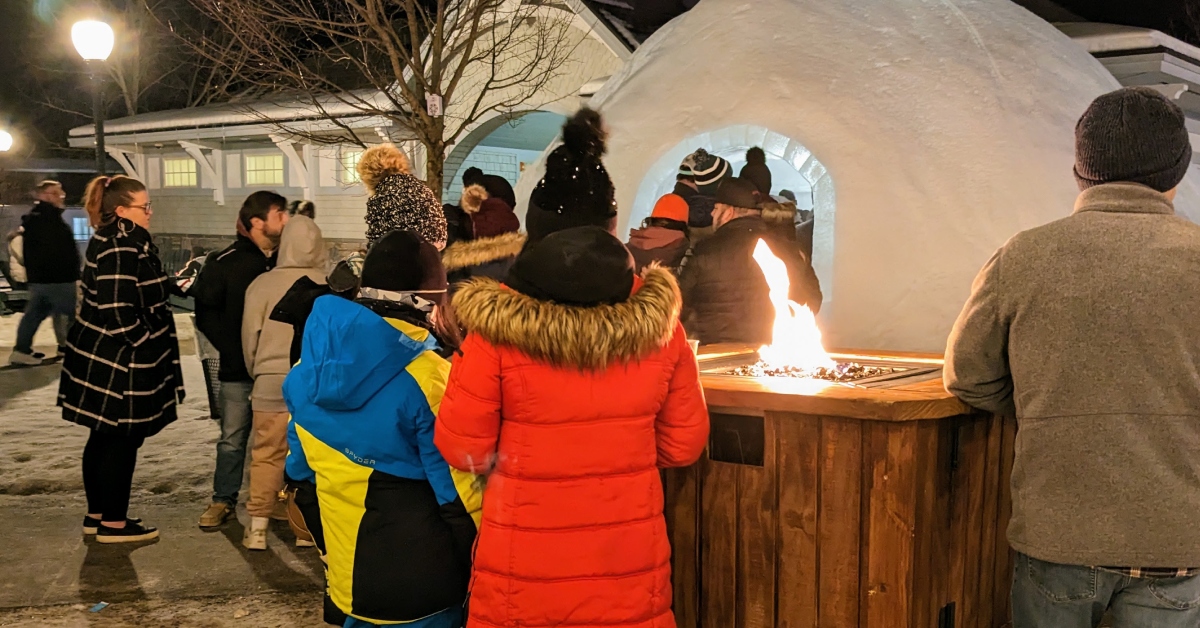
(91, 526)
(256, 534)
(131, 533)
(25, 359)
(216, 514)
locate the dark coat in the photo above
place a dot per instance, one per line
(499, 187)
(485, 257)
(540, 223)
(699, 206)
(295, 306)
(121, 373)
(50, 253)
(458, 224)
(725, 296)
(220, 293)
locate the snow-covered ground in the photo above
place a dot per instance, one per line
(189, 578)
(40, 453)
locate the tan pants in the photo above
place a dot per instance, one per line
(267, 458)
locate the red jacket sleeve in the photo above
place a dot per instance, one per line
(681, 429)
(468, 422)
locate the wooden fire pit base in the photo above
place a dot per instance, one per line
(843, 508)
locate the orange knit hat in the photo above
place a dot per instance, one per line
(671, 206)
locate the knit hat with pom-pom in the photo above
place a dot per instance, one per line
(576, 190)
(756, 171)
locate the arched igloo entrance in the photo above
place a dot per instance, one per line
(793, 167)
(503, 145)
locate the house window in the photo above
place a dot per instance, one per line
(82, 229)
(264, 170)
(350, 166)
(179, 172)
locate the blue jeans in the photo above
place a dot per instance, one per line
(45, 299)
(449, 618)
(236, 419)
(1048, 595)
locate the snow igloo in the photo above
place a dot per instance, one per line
(928, 132)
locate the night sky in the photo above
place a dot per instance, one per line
(33, 36)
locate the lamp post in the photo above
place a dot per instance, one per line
(6, 141)
(94, 41)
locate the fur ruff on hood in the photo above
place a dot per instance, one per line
(779, 214)
(587, 338)
(482, 251)
(473, 197)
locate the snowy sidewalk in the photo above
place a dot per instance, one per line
(52, 575)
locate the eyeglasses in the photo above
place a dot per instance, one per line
(145, 208)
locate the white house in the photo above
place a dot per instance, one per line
(200, 163)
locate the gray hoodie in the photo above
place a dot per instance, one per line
(266, 344)
(1088, 328)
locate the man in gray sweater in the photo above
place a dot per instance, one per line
(1088, 330)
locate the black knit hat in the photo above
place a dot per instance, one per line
(402, 262)
(576, 184)
(1133, 134)
(739, 193)
(581, 266)
(756, 171)
(709, 171)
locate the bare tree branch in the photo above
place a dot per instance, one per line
(343, 61)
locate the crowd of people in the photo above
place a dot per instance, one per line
(456, 357)
(439, 413)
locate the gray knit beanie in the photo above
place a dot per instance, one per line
(1133, 134)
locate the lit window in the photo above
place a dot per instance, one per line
(179, 173)
(82, 229)
(264, 170)
(350, 166)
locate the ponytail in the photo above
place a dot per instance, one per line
(105, 194)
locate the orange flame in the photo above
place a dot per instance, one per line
(795, 337)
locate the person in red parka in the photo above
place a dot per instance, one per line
(575, 385)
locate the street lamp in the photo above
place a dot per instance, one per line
(6, 141)
(94, 40)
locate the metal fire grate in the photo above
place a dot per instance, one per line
(854, 370)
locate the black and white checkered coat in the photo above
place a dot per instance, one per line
(121, 372)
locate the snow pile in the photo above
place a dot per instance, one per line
(942, 128)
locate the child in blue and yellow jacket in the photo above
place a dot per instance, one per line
(396, 522)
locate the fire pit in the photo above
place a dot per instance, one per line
(796, 351)
(841, 372)
(864, 371)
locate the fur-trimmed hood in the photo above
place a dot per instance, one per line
(473, 197)
(588, 338)
(482, 251)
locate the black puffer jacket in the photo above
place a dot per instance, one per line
(50, 253)
(220, 293)
(725, 296)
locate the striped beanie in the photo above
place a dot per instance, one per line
(686, 168)
(709, 171)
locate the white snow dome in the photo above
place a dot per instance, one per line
(929, 132)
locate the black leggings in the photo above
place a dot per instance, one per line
(108, 463)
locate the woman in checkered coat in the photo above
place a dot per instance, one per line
(121, 375)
